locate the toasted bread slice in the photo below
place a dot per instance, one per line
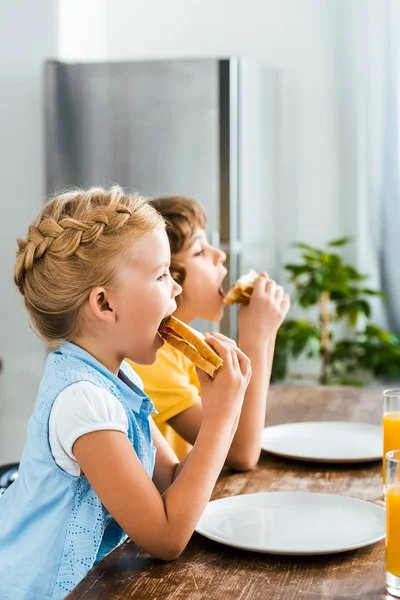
(192, 344)
(242, 290)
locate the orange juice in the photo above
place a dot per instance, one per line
(393, 530)
(391, 435)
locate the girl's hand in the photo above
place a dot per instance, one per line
(261, 318)
(222, 397)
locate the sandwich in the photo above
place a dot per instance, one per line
(242, 290)
(191, 343)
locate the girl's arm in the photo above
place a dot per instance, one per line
(162, 523)
(167, 466)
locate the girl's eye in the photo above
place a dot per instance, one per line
(162, 277)
(199, 253)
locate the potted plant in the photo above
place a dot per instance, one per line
(339, 292)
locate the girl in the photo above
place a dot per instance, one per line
(171, 381)
(94, 274)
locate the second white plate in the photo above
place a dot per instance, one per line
(296, 523)
(325, 441)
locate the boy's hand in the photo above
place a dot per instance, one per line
(222, 397)
(261, 318)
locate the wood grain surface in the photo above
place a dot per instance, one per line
(211, 571)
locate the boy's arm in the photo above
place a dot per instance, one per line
(246, 445)
(258, 325)
(259, 322)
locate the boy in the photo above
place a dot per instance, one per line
(171, 382)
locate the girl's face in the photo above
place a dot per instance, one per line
(143, 295)
(202, 296)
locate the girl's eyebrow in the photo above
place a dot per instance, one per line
(161, 266)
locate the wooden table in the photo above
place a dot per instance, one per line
(207, 570)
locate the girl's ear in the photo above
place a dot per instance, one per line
(100, 305)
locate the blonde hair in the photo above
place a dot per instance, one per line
(73, 247)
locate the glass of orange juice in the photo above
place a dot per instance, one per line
(393, 523)
(391, 424)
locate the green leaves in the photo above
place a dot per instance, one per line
(351, 309)
(294, 338)
(307, 247)
(322, 270)
(297, 270)
(340, 242)
(378, 351)
(322, 278)
(310, 294)
(354, 275)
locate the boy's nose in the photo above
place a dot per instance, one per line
(220, 255)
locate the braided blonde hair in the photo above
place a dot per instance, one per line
(73, 247)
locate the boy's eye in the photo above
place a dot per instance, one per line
(199, 252)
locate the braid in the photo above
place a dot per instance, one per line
(72, 247)
(65, 237)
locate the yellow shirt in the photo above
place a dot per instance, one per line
(172, 384)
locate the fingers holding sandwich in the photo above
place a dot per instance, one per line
(224, 338)
(260, 319)
(260, 284)
(280, 292)
(229, 352)
(242, 360)
(285, 303)
(222, 347)
(222, 397)
(271, 289)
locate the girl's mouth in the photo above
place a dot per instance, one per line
(163, 323)
(221, 292)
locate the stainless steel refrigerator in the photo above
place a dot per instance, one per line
(201, 128)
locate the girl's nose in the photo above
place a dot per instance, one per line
(176, 289)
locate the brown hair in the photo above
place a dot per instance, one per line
(183, 215)
(72, 247)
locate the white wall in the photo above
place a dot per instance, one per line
(296, 37)
(28, 37)
(292, 36)
(81, 29)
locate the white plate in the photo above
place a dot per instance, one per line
(325, 441)
(294, 523)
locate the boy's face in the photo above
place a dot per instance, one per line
(202, 295)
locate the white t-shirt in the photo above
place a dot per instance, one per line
(79, 409)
